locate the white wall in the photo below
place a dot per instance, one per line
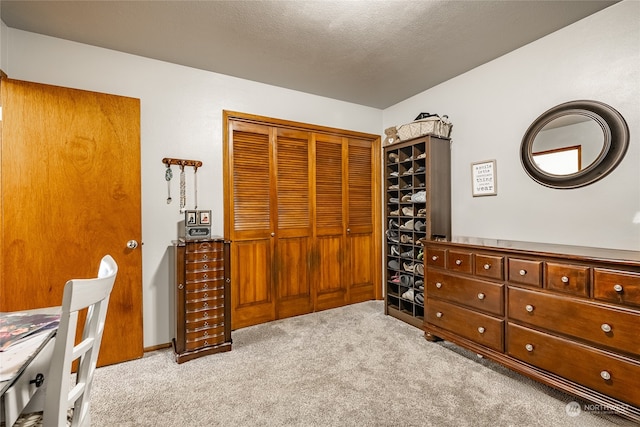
(181, 116)
(492, 106)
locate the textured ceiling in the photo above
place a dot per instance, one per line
(373, 53)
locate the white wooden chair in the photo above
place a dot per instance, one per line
(66, 403)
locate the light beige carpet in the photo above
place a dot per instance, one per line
(351, 366)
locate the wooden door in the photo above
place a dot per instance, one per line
(70, 193)
(363, 247)
(330, 262)
(248, 174)
(294, 236)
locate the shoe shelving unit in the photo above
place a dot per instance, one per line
(418, 206)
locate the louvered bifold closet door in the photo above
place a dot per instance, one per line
(361, 244)
(294, 228)
(330, 186)
(252, 213)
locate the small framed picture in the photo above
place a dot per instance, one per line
(483, 178)
(205, 217)
(190, 218)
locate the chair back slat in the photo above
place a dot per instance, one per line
(79, 294)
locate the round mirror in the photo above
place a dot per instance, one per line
(574, 144)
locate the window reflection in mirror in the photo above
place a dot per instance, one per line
(568, 144)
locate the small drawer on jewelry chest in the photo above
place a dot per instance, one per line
(599, 370)
(616, 286)
(204, 338)
(478, 327)
(525, 272)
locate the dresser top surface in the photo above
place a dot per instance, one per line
(604, 254)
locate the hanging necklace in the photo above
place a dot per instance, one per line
(183, 189)
(168, 174)
(195, 187)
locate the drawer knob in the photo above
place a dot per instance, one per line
(205, 276)
(205, 267)
(481, 330)
(523, 272)
(529, 308)
(439, 314)
(438, 285)
(605, 327)
(458, 262)
(206, 343)
(205, 305)
(206, 334)
(227, 280)
(487, 266)
(205, 256)
(206, 323)
(205, 286)
(180, 286)
(617, 287)
(435, 257)
(565, 279)
(206, 295)
(605, 375)
(205, 315)
(529, 347)
(481, 295)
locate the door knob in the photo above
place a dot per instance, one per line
(132, 244)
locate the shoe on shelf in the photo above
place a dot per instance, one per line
(394, 213)
(419, 298)
(420, 169)
(394, 173)
(419, 226)
(406, 238)
(407, 254)
(392, 236)
(407, 225)
(408, 171)
(393, 224)
(394, 200)
(406, 198)
(394, 187)
(394, 265)
(419, 269)
(395, 278)
(393, 157)
(408, 266)
(395, 250)
(408, 295)
(406, 280)
(422, 212)
(407, 211)
(420, 254)
(419, 197)
(422, 156)
(419, 284)
(407, 186)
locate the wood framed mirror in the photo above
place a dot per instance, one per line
(574, 144)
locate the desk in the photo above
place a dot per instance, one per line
(33, 358)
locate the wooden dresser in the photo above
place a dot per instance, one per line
(564, 315)
(202, 296)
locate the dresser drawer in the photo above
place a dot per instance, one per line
(204, 285)
(525, 272)
(208, 265)
(205, 324)
(435, 257)
(489, 266)
(485, 296)
(459, 261)
(616, 286)
(485, 330)
(615, 328)
(599, 370)
(572, 279)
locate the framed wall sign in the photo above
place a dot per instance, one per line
(483, 178)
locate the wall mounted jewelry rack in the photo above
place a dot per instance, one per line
(182, 162)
